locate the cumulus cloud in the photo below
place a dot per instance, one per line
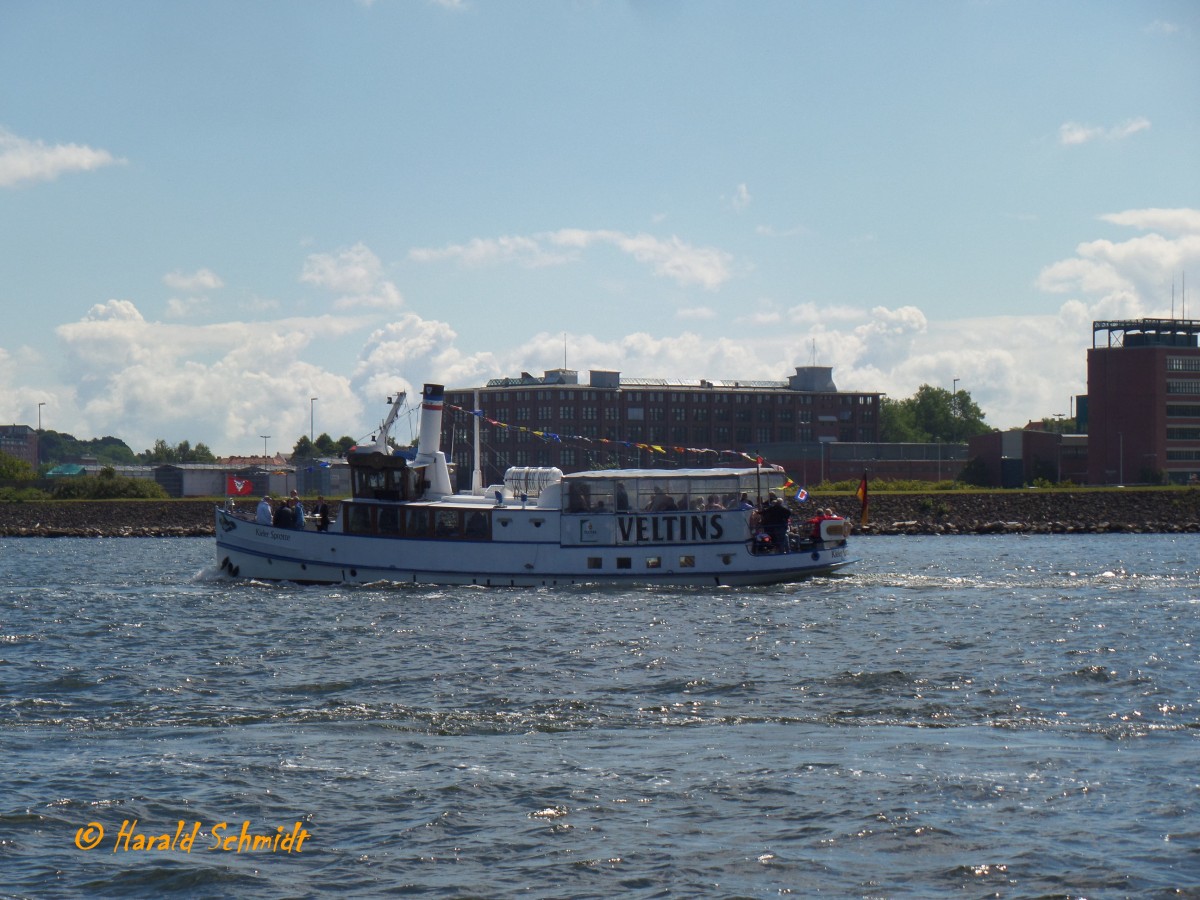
(235, 380)
(1074, 133)
(145, 379)
(1127, 278)
(670, 257)
(23, 160)
(356, 275)
(1172, 221)
(193, 282)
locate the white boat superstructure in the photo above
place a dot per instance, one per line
(404, 523)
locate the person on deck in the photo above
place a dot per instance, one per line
(775, 518)
(284, 516)
(263, 515)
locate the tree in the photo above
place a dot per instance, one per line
(303, 448)
(183, 452)
(898, 424)
(13, 469)
(932, 414)
(57, 447)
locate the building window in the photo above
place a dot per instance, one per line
(635, 413)
(1182, 411)
(1183, 434)
(1183, 387)
(1183, 364)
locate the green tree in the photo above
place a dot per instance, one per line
(932, 414)
(303, 449)
(57, 447)
(13, 469)
(898, 425)
(164, 454)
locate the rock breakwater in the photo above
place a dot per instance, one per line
(952, 512)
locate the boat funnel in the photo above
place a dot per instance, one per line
(429, 441)
(430, 437)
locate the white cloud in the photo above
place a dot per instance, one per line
(670, 258)
(356, 275)
(741, 197)
(1173, 221)
(1158, 26)
(695, 312)
(228, 383)
(1074, 133)
(24, 160)
(185, 307)
(1129, 278)
(193, 282)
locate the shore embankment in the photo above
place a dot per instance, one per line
(1151, 511)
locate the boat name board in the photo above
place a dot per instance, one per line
(653, 528)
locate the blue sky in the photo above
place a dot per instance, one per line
(212, 212)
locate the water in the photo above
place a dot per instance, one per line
(960, 717)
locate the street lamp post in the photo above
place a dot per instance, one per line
(311, 407)
(265, 438)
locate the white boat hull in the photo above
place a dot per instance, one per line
(249, 550)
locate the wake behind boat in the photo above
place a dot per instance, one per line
(404, 523)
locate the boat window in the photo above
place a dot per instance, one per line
(654, 562)
(418, 523)
(389, 520)
(359, 519)
(477, 525)
(624, 562)
(687, 562)
(594, 562)
(447, 523)
(663, 494)
(589, 495)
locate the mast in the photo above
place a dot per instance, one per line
(476, 472)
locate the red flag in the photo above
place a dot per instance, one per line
(238, 487)
(862, 496)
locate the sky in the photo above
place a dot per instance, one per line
(213, 212)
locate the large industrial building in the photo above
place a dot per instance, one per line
(1143, 403)
(554, 420)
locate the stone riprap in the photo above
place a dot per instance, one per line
(947, 512)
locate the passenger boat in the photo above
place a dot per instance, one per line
(405, 523)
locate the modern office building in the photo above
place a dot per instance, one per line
(554, 420)
(1144, 401)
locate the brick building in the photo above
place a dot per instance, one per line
(1143, 403)
(20, 441)
(575, 420)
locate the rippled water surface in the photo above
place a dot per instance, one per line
(966, 717)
